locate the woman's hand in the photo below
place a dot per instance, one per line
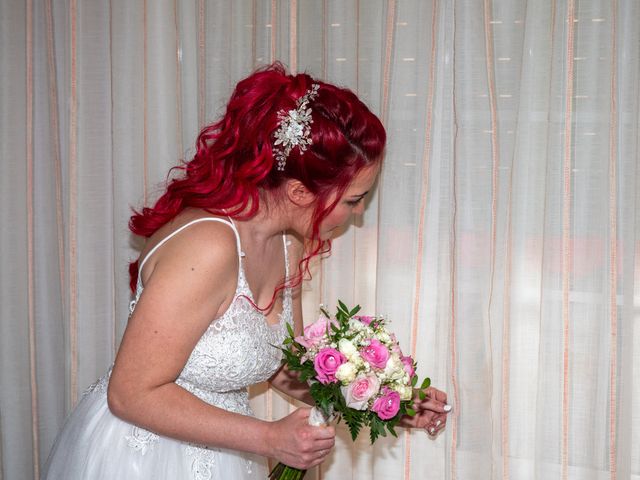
(431, 413)
(297, 444)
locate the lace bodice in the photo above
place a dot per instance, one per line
(237, 350)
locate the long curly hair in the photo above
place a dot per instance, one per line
(234, 162)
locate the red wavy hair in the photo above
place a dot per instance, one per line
(234, 163)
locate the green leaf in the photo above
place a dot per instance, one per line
(355, 310)
(411, 412)
(422, 395)
(342, 308)
(425, 383)
(355, 420)
(290, 330)
(414, 380)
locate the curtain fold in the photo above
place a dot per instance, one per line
(502, 238)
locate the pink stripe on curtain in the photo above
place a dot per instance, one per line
(324, 39)
(73, 199)
(613, 242)
(30, 262)
(273, 31)
(293, 36)
(567, 249)
(145, 132)
(388, 51)
(202, 74)
(176, 18)
(426, 162)
(386, 76)
(254, 32)
(452, 274)
(495, 163)
(55, 135)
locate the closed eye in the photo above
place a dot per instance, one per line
(353, 203)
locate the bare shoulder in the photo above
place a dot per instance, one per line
(203, 241)
(198, 264)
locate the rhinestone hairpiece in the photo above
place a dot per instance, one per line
(294, 129)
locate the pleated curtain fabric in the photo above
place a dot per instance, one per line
(502, 239)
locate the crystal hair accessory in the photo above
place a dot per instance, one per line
(294, 129)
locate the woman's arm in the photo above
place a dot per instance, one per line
(193, 281)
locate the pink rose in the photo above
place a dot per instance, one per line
(366, 319)
(387, 405)
(407, 361)
(358, 392)
(376, 353)
(314, 333)
(326, 363)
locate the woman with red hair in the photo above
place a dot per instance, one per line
(228, 244)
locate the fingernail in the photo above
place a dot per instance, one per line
(438, 423)
(432, 430)
(447, 408)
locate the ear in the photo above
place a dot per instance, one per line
(298, 194)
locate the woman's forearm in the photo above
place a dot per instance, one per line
(174, 412)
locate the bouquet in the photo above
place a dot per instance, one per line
(356, 372)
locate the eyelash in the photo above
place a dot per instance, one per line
(353, 203)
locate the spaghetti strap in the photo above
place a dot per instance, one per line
(188, 224)
(286, 243)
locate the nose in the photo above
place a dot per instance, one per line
(359, 209)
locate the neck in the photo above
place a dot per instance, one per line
(270, 221)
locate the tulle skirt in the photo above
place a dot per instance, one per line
(94, 444)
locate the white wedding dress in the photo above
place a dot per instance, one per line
(236, 351)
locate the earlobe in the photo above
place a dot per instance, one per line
(299, 194)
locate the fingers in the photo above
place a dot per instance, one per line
(321, 433)
(434, 427)
(432, 411)
(321, 450)
(435, 401)
(302, 445)
(436, 394)
(433, 405)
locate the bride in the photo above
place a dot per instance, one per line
(228, 244)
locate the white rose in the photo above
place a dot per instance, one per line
(346, 372)
(405, 391)
(347, 348)
(394, 368)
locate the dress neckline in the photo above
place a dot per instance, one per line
(242, 278)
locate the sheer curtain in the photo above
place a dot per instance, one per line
(502, 239)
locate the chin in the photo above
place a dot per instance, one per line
(328, 235)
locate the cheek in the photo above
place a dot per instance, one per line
(338, 217)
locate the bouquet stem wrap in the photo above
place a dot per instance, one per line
(317, 418)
